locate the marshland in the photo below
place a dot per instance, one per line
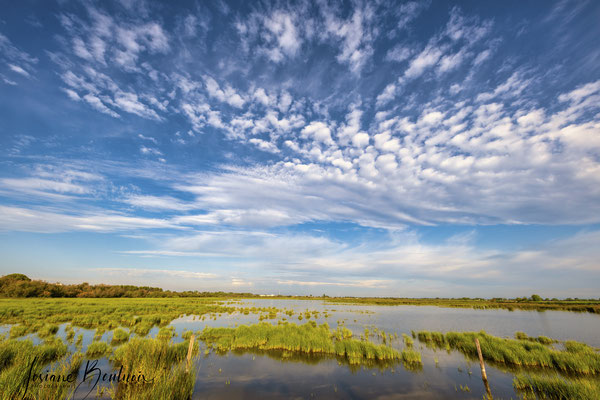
(252, 347)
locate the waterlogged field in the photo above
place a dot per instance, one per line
(265, 348)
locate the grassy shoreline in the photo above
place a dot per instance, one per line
(15, 286)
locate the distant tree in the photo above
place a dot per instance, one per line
(536, 297)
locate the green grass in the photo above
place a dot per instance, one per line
(307, 338)
(591, 306)
(156, 359)
(556, 387)
(159, 361)
(97, 349)
(541, 339)
(16, 359)
(42, 316)
(120, 336)
(577, 357)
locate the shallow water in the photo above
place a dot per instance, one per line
(560, 325)
(443, 375)
(249, 376)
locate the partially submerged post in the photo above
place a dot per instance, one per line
(483, 374)
(190, 350)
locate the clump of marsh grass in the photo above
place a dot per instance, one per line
(119, 336)
(162, 365)
(48, 330)
(576, 358)
(19, 357)
(308, 338)
(408, 341)
(540, 339)
(97, 349)
(556, 387)
(166, 333)
(18, 331)
(79, 341)
(69, 333)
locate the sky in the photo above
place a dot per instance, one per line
(377, 148)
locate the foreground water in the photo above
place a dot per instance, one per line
(250, 375)
(444, 375)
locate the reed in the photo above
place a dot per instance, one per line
(18, 357)
(577, 357)
(307, 338)
(42, 316)
(119, 336)
(556, 387)
(97, 349)
(162, 365)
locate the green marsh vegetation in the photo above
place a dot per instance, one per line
(308, 338)
(524, 303)
(534, 386)
(159, 366)
(575, 369)
(17, 357)
(163, 366)
(119, 336)
(577, 358)
(20, 286)
(42, 316)
(97, 349)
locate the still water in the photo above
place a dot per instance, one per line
(248, 375)
(444, 375)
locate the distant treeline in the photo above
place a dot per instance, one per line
(19, 285)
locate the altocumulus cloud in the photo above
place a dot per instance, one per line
(310, 146)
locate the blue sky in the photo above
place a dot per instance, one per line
(349, 148)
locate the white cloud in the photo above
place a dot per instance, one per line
(264, 145)
(360, 139)
(146, 272)
(149, 138)
(387, 95)
(129, 102)
(427, 58)
(30, 220)
(96, 103)
(319, 131)
(399, 53)
(150, 150)
(19, 70)
(228, 95)
(283, 28)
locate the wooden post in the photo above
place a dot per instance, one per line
(482, 365)
(483, 374)
(190, 350)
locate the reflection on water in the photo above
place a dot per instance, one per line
(278, 374)
(248, 376)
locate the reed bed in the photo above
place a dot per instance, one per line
(556, 387)
(577, 357)
(162, 365)
(590, 306)
(42, 316)
(97, 349)
(308, 338)
(20, 357)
